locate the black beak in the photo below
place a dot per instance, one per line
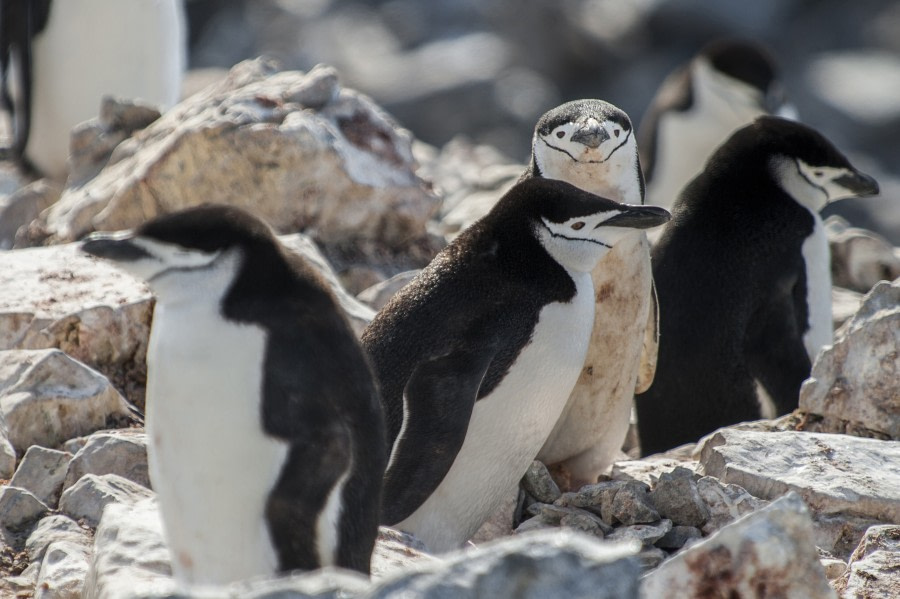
(113, 247)
(591, 136)
(860, 184)
(638, 217)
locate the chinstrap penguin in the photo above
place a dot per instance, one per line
(266, 437)
(59, 58)
(725, 87)
(743, 277)
(478, 354)
(591, 144)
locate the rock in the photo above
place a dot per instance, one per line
(59, 297)
(19, 508)
(853, 384)
(7, 451)
(343, 169)
(651, 557)
(327, 583)
(676, 497)
(725, 503)
(632, 505)
(769, 553)
(377, 296)
(539, 484)
(42, 471)
(63, 571)
(859, 258)
(20, 208)
(844, 304)
(87, 498)
(834, 568)
(122, 452)
(130, 557)
(678, 537)
(530, 566)
(646, 534)
(833, 473)
(531, 524)
(51, 529)
(47, 397)
(648, 470)
(839, 534)
(395, 551)
(593, 498)
(500, 523)
(873, 568)
(584, 522)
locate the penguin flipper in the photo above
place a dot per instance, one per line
(650, 349)
(438, 399)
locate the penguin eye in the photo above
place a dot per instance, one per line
(616, 132)
(819, 173)
(578, 225)
(560, 134)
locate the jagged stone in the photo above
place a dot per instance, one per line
(42, 471)
(19, 509)
(122, 452)
(7, 451)
(86, 499)
(676, 497)
(394, 551)
(725, 503)
(632, 505)
(63, 570)
(646, 534)
(18, 209)
(678, 537)
(873, 569)
(53, 528)
(539, 484)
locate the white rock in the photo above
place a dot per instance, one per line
(853, 385)
(122, 452)
(51, 529)
(844, 304)
(874, 566)
(47, 397)
(646, 534)
(20, 208)
(859, 258)
(63, 571)
(342, 168)
(87, 498)
(7, 451)
(42, 471)
(395, 551)
(19, 508)
(833, 473)
(725, 502)
(769, 553)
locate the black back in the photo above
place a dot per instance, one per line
(318, 391)
(739, 59)
(732, 289)
(20, 21)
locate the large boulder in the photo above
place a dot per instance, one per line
(294, 148)
(874, 566)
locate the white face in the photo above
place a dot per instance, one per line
(812, 186)
(579, 243)
(608, 170)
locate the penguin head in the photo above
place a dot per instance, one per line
(575, 227)
(590, 144)
(193, 252)
(799, 159)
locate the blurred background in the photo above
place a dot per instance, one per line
(487, 69)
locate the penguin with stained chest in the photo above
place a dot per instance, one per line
(476, 356)
(266, 436)
(743, 277)
(60, 57)
(591, 144)
(724, 87)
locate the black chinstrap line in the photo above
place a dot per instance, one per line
(808, 180)
(614, 150)
(560, 235)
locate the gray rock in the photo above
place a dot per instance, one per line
(873, 568)
(678, 537)
(42, 471)
(769, 553)
(539, 484)
(632, 505)
(646, 534)
(535, 565)
(834, 568)
(7, 451)
(20, 208)
(839, 534)
(853, 384)
(378, 295)
(122, 452)
(584, 522)
(47, 397)
(675, 496)
(51, 529)
(395, 551)
(19, 508)
(351, 168)
(86, 499)
(833, 473)
(531, 524)
(725, 502)
(859, 258)
(592, 497)
(651, 557)
(63, 570)
(648, 470)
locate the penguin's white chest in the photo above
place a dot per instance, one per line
(509, 426)
(210, 462)
(817, 258)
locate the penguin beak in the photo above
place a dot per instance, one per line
(638, 217)
(860, 184)
(591, 135)
(118, 247)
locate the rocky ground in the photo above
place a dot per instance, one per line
(804, 506)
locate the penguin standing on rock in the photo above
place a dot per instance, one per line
(476, 356)
(59, 58)
(591, 144)
(728, 84)
(266, 437)
(743, 277)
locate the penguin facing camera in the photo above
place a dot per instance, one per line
(743, 277)
(477, 356)
(266, 438)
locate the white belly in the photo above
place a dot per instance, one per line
(818, 290)
(210, 463)
(509, 426)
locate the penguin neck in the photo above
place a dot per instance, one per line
(618, 178)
